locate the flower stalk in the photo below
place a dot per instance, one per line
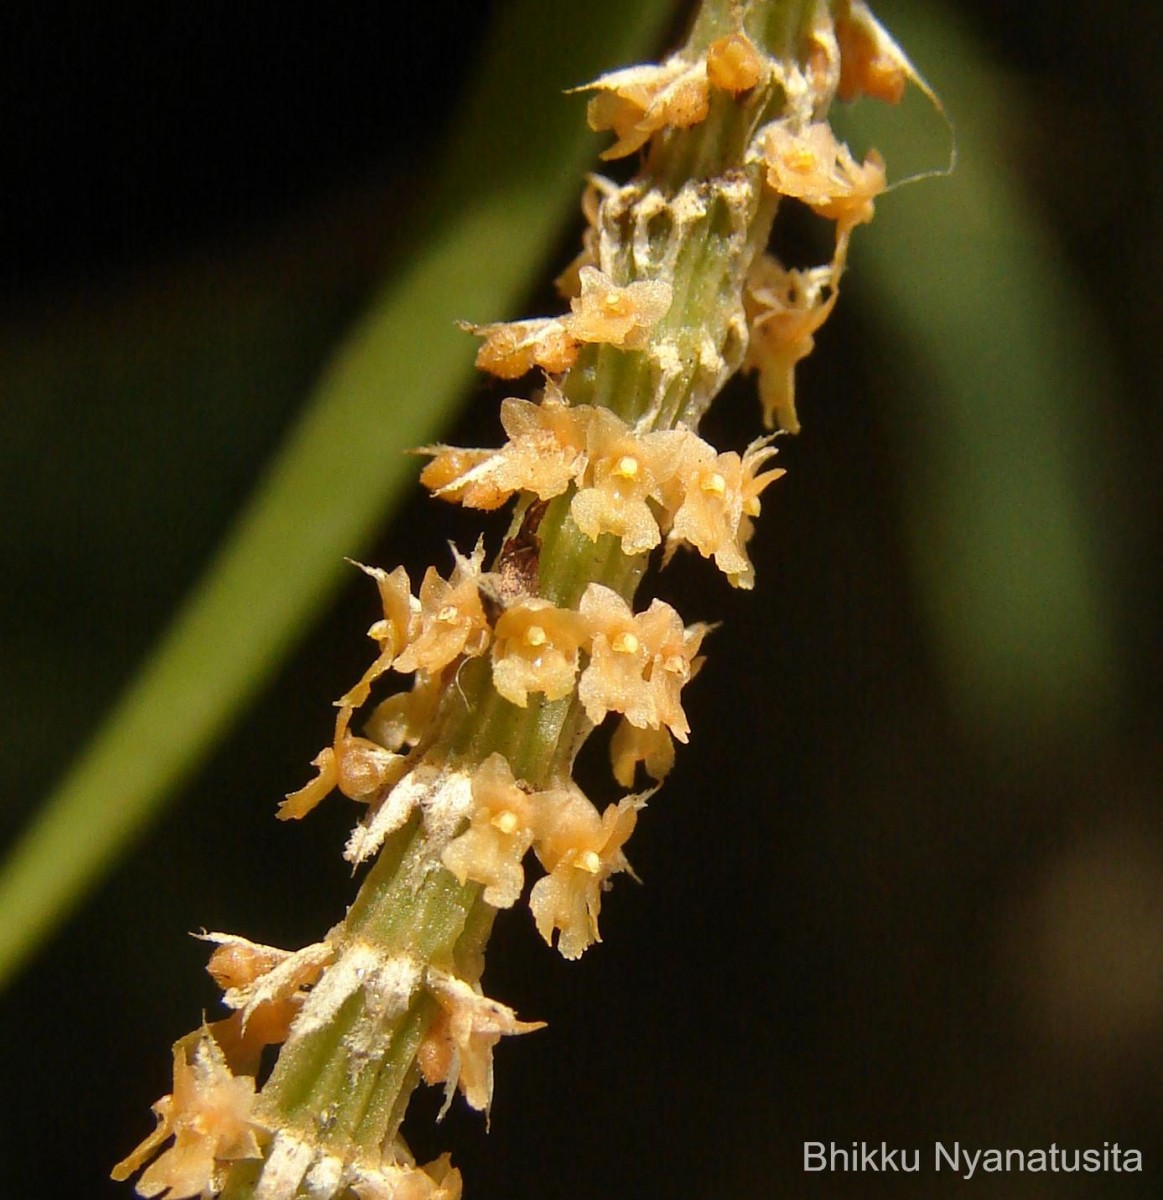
(515, 665)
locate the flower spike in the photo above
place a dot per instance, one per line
(465, 767)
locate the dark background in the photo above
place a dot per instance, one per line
(871, 909)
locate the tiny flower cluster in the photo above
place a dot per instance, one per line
(579, 847)
(811, 165)
(422, 634)
(637, 102)
(850, 55)
(801, 159)
(635, 665)
(216, 1119)
(785, 307)
(600, 312)
(620, 662)
(640, 487)
(213, 1113)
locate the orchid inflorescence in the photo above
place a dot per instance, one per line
(470, 769)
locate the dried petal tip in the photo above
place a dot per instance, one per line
(470, 1027)
(871, 62)
(392, 632)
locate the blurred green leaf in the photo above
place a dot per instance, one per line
(999, 370)
(512, 169)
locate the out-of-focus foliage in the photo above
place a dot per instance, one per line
(496, 205)
(1002, 370)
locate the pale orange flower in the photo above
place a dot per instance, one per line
(623, 472)
(580, 850)
(619, 316)
(535, 649)
(673, 663)
(474, 1025)
(500, 832)
(455, 475)
(616, 677)
(210, 1115)
(636, 102)
(452, 621)
(545, 452)
(513, 348)
(638, 663)
(785, 308)
(547, 444)
(720, 495)
(812, 166)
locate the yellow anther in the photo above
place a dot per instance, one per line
(535, 636)
(588, 860)
(505, 821)
(626, 643)
(612, 302)
(448, 613)
(627, 466)
(751, 506)
(803, 160)
(714, 483)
